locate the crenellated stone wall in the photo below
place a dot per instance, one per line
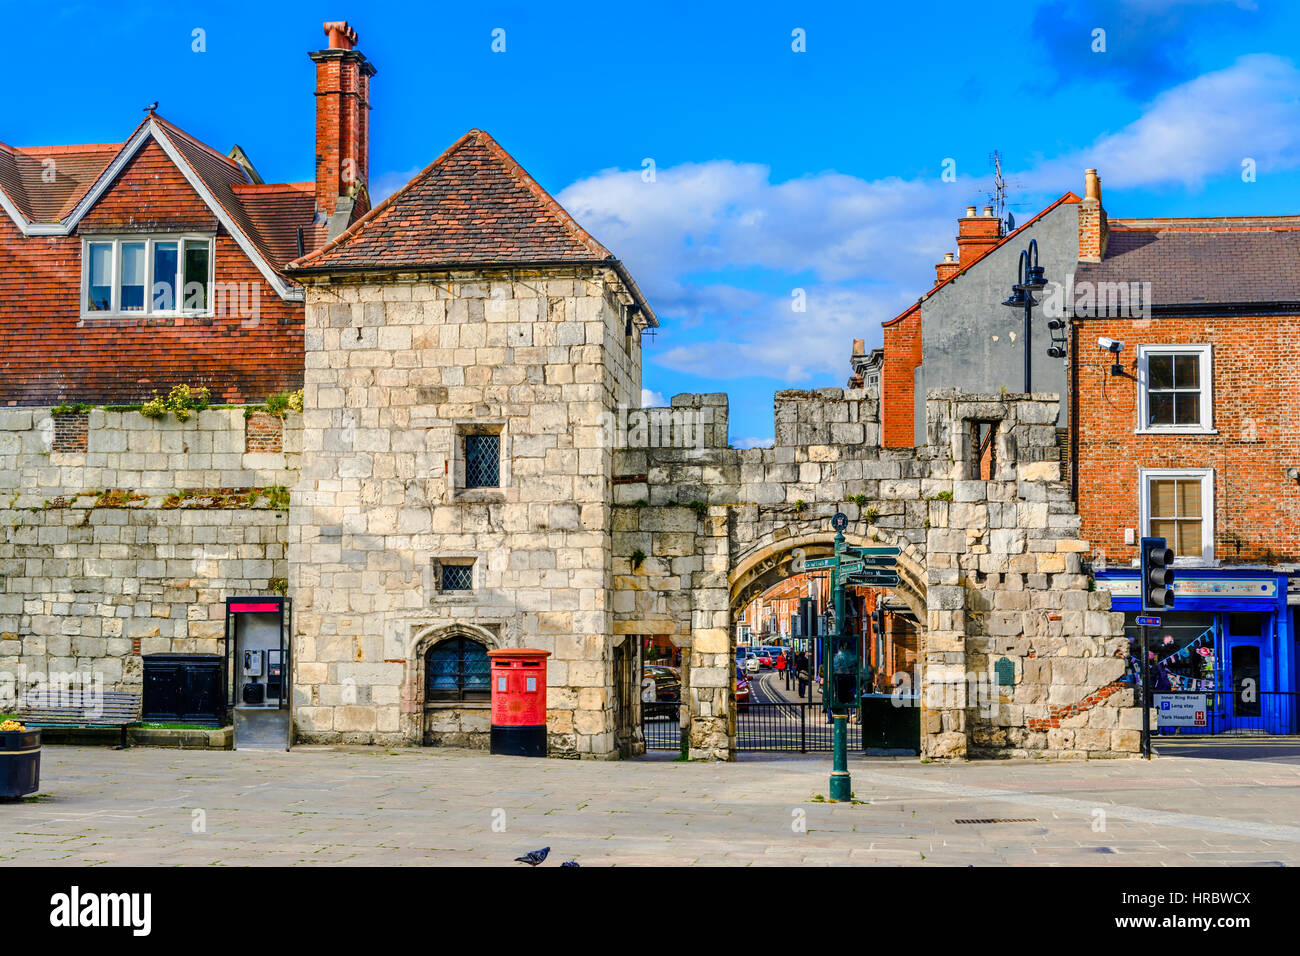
(991, 565)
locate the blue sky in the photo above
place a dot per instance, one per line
(775, 170)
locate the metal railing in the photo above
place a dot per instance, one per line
(792, 727)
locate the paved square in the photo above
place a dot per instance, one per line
(444, 806)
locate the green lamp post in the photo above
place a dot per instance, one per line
(840, 681)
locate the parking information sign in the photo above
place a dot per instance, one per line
(1180, 710)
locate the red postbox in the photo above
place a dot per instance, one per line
(519, 701)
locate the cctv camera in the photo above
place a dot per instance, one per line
(1110, 345)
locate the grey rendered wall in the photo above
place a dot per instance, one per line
(972, 342)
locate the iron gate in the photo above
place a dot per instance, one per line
(661, 725)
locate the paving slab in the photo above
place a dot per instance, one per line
(443, 806)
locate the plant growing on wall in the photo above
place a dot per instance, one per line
(699, 507)
(182, 401)
(638, 559)
(281, 403)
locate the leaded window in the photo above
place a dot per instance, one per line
(457, 669)
(482, 461)
(457, 577)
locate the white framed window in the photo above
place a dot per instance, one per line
(1175, 389)
(1177, 504)
(146, 275)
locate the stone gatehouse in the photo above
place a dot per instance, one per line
(471, 470)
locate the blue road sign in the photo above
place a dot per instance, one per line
(1148, 621)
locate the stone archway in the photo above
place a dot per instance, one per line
(459, 724)
(761, 564)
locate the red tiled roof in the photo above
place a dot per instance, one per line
(264, 215)
(25, 176)
(276, 212)
(473, 204)
(268, 216)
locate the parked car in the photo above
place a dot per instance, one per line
(668, 690)
(752, 664)
(742, 690)
(764, 658)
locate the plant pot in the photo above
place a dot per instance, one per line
(20, 763)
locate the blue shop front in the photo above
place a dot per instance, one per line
(1231, 636)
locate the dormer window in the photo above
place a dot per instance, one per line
(147, 275)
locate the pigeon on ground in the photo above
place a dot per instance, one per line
(570, 863)
(533, 857)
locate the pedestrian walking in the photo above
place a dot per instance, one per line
(779, 664)
(801, 671)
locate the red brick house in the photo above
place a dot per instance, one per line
(126, 268)
(1185, 366)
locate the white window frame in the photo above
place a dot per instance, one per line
(1206, 477)
(149, 239)
(1205, 353)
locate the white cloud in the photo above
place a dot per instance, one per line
(870, 245)
(753, 443)
(651, 399)
(1198, 130)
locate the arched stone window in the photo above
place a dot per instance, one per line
(457, 669)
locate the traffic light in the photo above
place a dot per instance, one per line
(1157, 575)
(878, 621)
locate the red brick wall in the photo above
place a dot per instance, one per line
(1256, 411)
(263, 433)
(50, 358)
(897, 386)
(71, 432)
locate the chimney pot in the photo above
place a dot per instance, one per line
(947, 257)
(341, 36)
(988, 210)
(970, 212)
(1091, 184)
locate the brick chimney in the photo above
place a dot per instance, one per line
(976, 235)
(342, 128)
(1093, 230)
(946, 269)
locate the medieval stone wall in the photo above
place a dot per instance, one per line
(991, 566)
(131, 546)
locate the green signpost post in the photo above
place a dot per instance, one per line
(841, 688)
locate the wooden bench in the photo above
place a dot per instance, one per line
(81, 709)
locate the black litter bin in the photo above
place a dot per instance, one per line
(20, 763)
(891, 724)
(185, 688)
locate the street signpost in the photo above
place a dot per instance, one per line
(850, 566)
